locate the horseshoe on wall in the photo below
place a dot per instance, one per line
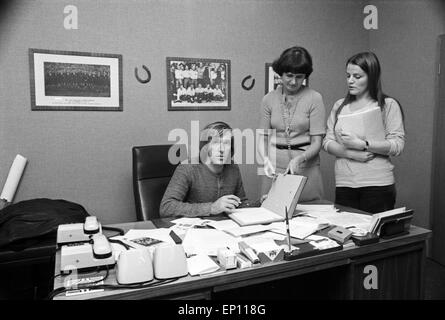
(243, 83)
(146, 80)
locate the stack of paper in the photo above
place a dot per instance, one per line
(208, 241)
(251, 216)
(349, 219)
(299, 227)
(330, 215)
(322, 243)
(367, 124)
(232, 228)
(201, 264)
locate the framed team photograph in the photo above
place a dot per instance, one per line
(273, 80)
(75, 81)
(198, 84)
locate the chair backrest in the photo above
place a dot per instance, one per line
(152, 172)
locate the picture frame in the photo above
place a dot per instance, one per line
(75, 81)
(198, 84)
(273, 80)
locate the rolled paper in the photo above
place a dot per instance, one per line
(14, 176)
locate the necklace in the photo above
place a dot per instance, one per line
(286, 105)
(287, 119)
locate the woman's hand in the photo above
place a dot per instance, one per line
(225, 204)
(351, 141)
(294, 165)
(361, 156)
(269, 169)
(263, 197)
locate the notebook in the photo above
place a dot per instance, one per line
(284, 192)
(366, 124)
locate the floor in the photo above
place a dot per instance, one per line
(434, 280)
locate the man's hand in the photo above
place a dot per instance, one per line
(225, 204)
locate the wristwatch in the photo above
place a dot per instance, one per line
(366, 145)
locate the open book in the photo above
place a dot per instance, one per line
(284, 192)
(366, 124)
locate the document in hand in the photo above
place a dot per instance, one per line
(284, 192)
(367, 124)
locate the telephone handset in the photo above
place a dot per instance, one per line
(101, 247)
(91, 225)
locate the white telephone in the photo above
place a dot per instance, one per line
(87, 255)
(78, 232)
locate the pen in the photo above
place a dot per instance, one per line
(287, 230)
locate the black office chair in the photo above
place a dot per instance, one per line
(152, 172)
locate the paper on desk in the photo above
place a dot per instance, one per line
(201, 264)
(190, 221)
(118, 248)
(234, 229)
(208, 241)
(322, 243)
(242, 231)
(223, 224)
(349, 219)
(162, 234)
(343, 219)
(262, 245)
(299, 227)
(265, 235)
(315, 211)
(316, 207)
(315, 237)
(256, 215)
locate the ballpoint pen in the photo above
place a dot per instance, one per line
(287, 229)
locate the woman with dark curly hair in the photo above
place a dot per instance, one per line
(297, 115)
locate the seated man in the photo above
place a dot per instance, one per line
(212, 186)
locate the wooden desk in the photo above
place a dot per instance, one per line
(338, 275)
